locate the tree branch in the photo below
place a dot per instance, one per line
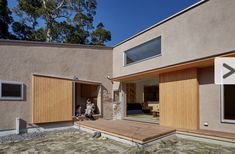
(44, 4)
(60, 5)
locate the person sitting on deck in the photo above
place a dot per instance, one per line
(78, 111)
(90, 109)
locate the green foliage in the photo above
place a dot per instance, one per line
(72, 34)
(25, 32)
(29, 10)
(21, 30)
(69, 21)
(5, 19)
(100, 35)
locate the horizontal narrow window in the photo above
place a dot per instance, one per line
(143, 51)
(11, 90)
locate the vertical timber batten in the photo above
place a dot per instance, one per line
(52, 99)
(179, 106)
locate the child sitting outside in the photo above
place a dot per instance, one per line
(90, 109)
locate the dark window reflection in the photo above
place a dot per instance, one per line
(143, 51)
(11, 90)
(229, 102)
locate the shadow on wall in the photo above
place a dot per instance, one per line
(206, 76)
(24, 92)
(21, 126)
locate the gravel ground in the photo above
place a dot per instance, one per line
(75, 141)
(17, 138)
(35, 135)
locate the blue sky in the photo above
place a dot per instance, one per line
(125, 18)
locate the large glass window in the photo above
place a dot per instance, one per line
(143, 51)
(229, 103)
(11, 90)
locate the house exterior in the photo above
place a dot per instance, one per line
(177, 54)
(52, 68)
(190, 40)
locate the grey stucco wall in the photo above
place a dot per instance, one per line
(205, 30)
(210, 102)
(19, 60)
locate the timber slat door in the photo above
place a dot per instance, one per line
(179, 99)
(51, 99)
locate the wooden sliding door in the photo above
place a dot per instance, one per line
(179, 99)
(52, 99)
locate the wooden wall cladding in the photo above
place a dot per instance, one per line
(179, 106)
(52, 100)
(130, 92)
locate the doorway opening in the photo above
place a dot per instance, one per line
(142, 100)
(83, 92)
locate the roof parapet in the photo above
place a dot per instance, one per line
(50, 44)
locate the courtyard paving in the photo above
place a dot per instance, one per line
(75, 141)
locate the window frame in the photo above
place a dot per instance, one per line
(223, 120)
(12, 98)
(144, 59)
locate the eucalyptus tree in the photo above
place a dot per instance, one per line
(68, 21)
(100, 35)
(5, 19)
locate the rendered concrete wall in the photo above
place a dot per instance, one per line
(19, 60)
(210, 104)
(205, 30)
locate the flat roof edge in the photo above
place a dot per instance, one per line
(162, 21)
(51, 44)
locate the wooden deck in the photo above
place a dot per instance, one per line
(142, 132)
(139, 132)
